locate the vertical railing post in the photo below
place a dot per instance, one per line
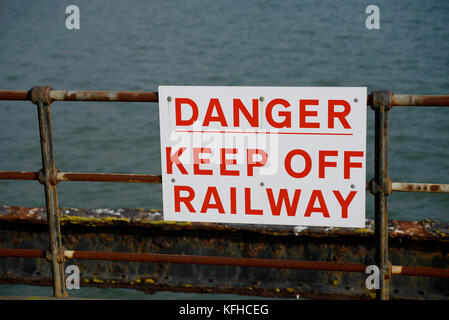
(48, 177)
(381, 102)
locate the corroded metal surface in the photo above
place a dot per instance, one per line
(15, 95)
(151, 178)
(420, 187)
(47, 177)
(426, 229)
(145, 96)
(126, 96)
(420, 243)
(109, 177)
(222, 261)
(83, 176)
(420, 100)
(381, 187)
(19, 175)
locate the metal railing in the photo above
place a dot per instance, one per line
(380, 186)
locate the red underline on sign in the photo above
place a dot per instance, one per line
(268, 132)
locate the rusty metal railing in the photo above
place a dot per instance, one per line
(380, 186)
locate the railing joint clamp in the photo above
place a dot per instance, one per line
(41, 95)
(384, 189)
(52, 178)
(60, 255)
(381, 100)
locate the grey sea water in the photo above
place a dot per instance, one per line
(138, 45)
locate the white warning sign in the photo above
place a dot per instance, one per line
(264, 155)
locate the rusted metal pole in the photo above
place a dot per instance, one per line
(403, 100)
(19, 175)
(148, 96)
(406, 187)
(125, 96)
(151, 178)
(84, 176)
(227, 261)
(109, 177)
(40, 97)
(22, 253)
(214, 260)
(381, 187)
(420, 187)
(15, 95)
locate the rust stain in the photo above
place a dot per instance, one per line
(150, 218)
(124, 96)
(413, 229)
(70, 97)
(137, 96)
(430, 100)
(434, 187)
(15, 95)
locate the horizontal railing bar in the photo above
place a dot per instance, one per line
(420, 100)
(225, 261)
(19, 175)
(417, 187)
(214, 260)
(86, 177)
(109, 177)
(78, 95)
(123, 96)
(420, 271)
(15, 95)
(22, 253)
(150, 178)
(148, 96)
(420, 187)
